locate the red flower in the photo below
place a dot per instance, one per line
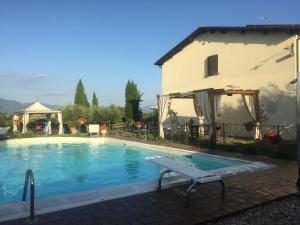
(82, 121)
(103, 126)
(271, 134)
(139, 124)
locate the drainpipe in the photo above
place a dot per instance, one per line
(298, 124)
(297, 74)
(297, 39)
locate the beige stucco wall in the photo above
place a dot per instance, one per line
(247, 61)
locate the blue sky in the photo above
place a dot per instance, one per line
(46, 46)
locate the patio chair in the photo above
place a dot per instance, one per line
(4, 132)
(93, 129)
(197, 176)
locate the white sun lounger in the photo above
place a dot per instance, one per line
(197, 176)
(93, 129)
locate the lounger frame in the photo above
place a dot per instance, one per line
(194, 182)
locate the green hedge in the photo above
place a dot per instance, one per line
(284, 150)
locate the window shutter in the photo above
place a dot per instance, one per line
(212, 65)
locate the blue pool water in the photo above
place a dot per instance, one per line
(69, 168)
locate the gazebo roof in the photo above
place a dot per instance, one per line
(37, 107)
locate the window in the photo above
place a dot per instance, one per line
(212, 65)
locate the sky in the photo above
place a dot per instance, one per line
(47, 46)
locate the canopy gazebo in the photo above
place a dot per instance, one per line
(38, 108)
(207, 105)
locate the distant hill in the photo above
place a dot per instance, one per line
(10, 106)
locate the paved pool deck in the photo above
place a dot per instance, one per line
(167, 207)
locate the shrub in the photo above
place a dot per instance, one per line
(72, 113)
(5, 120)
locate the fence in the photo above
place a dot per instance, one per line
(190, 134)
(198, 135)
(226, 133)
(144, 130)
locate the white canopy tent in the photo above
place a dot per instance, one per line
(38, 108)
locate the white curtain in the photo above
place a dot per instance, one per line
(249, 102)
(25, 122)
(163, 110)
(59, 118)
(203, 108)
(49, 129)
(15, 123)
(198, 100)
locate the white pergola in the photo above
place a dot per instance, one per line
(38, 108)
(207, 104)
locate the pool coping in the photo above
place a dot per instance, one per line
(68, 201)
(61, 202)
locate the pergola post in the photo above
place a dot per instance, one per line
(298, 123)
(257, 108)
(160, 129)
(258, 117)
(296, 81)
(213, 137)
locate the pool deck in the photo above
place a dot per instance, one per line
(167, 207)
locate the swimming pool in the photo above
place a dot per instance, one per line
(70, 165)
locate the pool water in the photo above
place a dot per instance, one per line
(68, 168)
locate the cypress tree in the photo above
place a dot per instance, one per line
(80, 96)
(132, 102)
(95, 100)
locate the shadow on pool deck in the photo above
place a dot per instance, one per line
(167, 207)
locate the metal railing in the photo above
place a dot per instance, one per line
(227, 133)
(29, 177)
(147, 131)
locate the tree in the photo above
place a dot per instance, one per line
(95, 100)
(80, 96)
(132, 102)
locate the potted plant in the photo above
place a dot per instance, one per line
(249, 125)
(73, 126)
(103, 129)
(81, 121)
(138, 124)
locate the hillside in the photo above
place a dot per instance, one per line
(10, 106)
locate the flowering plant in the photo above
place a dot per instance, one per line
(103, 126)
(139, 124)
(81, 121)
(274, 137)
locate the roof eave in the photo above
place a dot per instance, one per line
(293, 29)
